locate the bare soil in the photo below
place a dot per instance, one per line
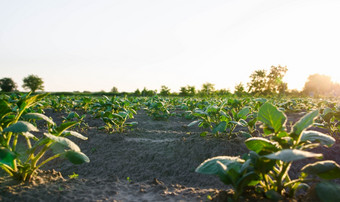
(154, 161)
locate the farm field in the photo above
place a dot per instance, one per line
(149, 149)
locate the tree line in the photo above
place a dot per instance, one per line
(31, 82)
(262, 83)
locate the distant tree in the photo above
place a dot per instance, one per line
(207, 88)
(336, 90)
(33, 83)
(137, 92)
(282, 88)
(7, 84)
(264, 84)
(114, 89)
(191, 90)
(258, 82)
(187, 90)
(239, 90)
(274, 80)
(164, 91)
(317, 85)
(222, 92)
(146, 92)
(183, 91)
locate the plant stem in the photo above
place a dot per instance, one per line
(285, 168)
(47, 160)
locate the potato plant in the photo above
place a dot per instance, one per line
(158, 108)
(115, 113)
(267, 164)
(329, 120)
(22, 160)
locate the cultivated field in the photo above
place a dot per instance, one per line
(148, 148)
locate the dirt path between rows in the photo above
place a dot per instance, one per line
(153, 162)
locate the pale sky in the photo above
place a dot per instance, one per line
(77, 45)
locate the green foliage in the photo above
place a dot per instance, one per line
(115, 113)
(158, 108)
(329, 119)
(33, 83)
(20, 159)
(73, 176)
(7, 85)
(269, 160)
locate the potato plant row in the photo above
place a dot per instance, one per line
(261, 121)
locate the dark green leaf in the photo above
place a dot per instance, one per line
(20, 127)
(328, 191)
(4, 108)
(245, 180)
(210, 166)
(76, 157)
(38, 116)
(325, 169)
(63, 141)
(6, 157)
(221, 127)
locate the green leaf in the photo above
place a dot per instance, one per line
(315, 136)
(38, 116)
(261, 164)
(75, 134)
(64, 126)
(325, 169)
(63, 141)
(27, 102)
(20, 127)
(203, 134)
(242, 114)
(4, 108)
(133, 123)
(258, 144)
(210, 166)
(288, 155)
(328, 191)
(245, 180)
(7, 157)
(194, 123)
(76, 157)
(306, 121)
(273, 195)
(273, 118)
(221, 127)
